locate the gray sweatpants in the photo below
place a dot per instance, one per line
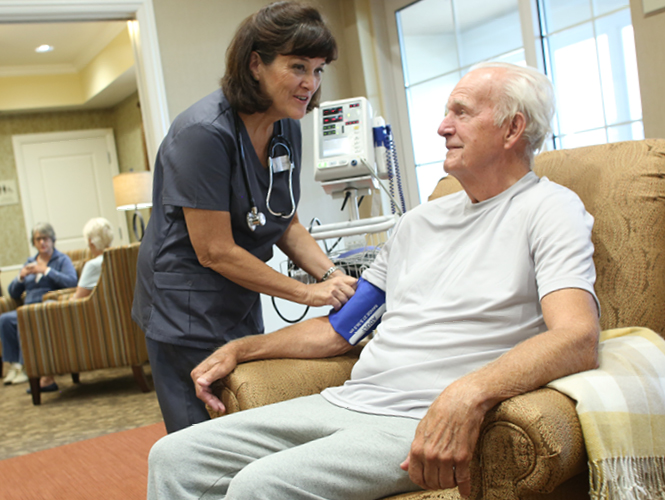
(305, 448)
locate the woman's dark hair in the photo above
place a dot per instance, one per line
(281, 28)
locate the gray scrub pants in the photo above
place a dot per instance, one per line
(171, 366)
(305, 448)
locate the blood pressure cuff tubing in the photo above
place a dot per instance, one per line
(361, 314)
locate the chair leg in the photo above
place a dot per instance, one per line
(75, 378)
(139, 376)
(35, 391)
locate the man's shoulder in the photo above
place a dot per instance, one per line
(549, 192)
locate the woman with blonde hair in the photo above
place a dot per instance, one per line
(98, 232)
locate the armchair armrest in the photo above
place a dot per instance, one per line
(62, 294)
(259, 383)
(9, 304)
(532, 444)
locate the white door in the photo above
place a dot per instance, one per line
(66, 178)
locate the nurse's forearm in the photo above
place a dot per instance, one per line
(241, 267)
(212, 238)
(304, 251)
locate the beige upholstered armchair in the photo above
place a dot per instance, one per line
(62, 337)
(531, 446)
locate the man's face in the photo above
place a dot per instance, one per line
(472, 138)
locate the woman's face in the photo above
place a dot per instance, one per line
(43, 243)
(289, 81)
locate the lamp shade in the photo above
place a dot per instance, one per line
(133, 190)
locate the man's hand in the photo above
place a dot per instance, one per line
(445, 440)
(216, 366)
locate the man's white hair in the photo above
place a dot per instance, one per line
(526, 91)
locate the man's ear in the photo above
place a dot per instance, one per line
(254, 64)
(515, 131)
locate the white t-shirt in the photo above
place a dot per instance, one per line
(463, 285)
(91, 272)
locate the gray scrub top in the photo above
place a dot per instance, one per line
(178, 301)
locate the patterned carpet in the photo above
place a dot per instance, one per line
(105, 401)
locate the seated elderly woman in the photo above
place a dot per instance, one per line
(46, 271)
(98, 233)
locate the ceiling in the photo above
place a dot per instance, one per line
(75, 45)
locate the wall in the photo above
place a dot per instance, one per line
(193, 37)
(130, 145)
(124, 118)
(649, 45)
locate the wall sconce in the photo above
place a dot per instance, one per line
(133, 191)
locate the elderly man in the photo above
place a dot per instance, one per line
(489, 294)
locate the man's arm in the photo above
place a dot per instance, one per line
(446, 437)
(314, 338)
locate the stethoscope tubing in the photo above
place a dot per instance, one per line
(254, 217)
(285, 144)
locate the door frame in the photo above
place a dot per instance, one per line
(20, 140)
(143, 33)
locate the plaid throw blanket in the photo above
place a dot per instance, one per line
(621, 406)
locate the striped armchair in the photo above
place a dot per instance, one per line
(79, 258)
(89, 334)
(7, 304)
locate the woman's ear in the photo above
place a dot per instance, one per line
(255, 65)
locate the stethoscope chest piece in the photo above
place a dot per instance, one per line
(255, 218)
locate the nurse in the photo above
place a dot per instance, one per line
(201, 266)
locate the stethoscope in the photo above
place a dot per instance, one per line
(276, 164)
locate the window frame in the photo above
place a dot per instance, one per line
(535, 56)
(532, 51)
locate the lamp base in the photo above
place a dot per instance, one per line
(138, 216)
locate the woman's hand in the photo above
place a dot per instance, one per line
(26, 270)
(332, 292)
(35, 267)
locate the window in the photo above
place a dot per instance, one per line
(439, 41)
(589, 54)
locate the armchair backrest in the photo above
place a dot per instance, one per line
(623, 186)
(79, 257)
(115, 294)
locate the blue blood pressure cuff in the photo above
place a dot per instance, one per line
(361, 314)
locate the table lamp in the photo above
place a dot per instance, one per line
(133, 191)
